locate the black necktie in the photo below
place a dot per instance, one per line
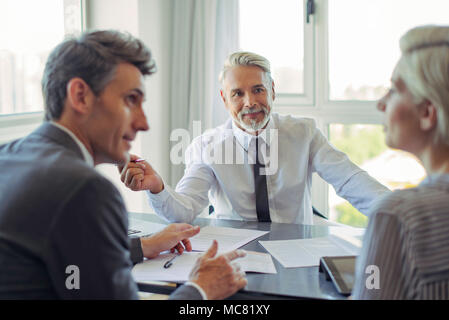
(260, 184)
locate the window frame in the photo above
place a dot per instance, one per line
(16, 125)
(306, 99)
(316, 103)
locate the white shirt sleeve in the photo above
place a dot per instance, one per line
(349, 180)
(191, 195)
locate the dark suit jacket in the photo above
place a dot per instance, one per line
(56, 212)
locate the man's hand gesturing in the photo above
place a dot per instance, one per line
(218, 276)
(139, 175)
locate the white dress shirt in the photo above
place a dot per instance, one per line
(228, 184)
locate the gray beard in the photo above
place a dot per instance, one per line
(254, 126)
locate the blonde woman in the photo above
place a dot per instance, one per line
(406, 250)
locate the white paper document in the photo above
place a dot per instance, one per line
(307, 252)
(228, 238)
(257, 262)
(143, 228)
(153, 269)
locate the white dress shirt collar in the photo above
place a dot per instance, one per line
(245, 139)
(87, 156)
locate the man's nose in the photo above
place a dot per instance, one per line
(140, 121)
(250, 100)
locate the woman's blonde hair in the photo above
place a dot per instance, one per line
(424, 67)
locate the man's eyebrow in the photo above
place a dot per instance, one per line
(255, 86)
(139, 91)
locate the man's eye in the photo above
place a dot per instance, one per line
(237, 94)
(131, 100)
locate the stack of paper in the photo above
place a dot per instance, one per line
(228, 239)
(307, 252)
(153, 269)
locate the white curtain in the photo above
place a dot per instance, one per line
(204, 33)
(227, 41)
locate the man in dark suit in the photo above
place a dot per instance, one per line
(63, 226)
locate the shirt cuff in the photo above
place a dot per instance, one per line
(197, 287)
(159, 197)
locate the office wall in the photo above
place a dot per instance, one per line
(150, 20)
(155, 29)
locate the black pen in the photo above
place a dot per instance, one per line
(169, 262)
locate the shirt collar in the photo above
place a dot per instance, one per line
(87, 156)
(245, 139)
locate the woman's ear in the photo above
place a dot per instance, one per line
(428, 116)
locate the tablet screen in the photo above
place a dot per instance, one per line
(342, 272)
(346, 270)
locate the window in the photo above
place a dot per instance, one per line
(35, 31)
(393, 168)
(29, 31)
(363, 42)
(276, 30)
(261, 35)
(344, 57)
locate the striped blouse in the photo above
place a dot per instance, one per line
(405, 253)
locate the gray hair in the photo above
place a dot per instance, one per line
(243, 58)
(424, 68)
(93, 57)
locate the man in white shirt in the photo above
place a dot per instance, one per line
(221, 164)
